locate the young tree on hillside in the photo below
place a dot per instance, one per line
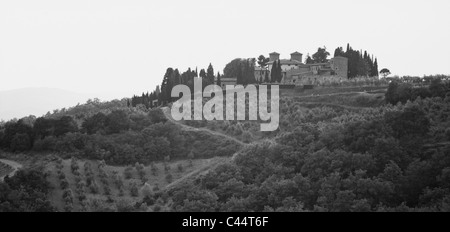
(375, 68)
(279, 72)
(273, 72)
(385, 72)
(218, 82)
(339, 52)
(191, 157)
(321, 55)
(166, 86)
(262, 61)
(202, 74)
(232, 68)
(210, 74)
(309, 60)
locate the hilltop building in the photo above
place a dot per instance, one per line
(295, 72)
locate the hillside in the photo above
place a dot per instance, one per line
(337, 149)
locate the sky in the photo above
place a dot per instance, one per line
(117, 48)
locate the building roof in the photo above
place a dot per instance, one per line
(288, 62)
(296, 53)
(274, 53)
(339, 57)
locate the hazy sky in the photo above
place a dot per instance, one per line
(121, 47)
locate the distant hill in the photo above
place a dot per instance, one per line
(36, 101)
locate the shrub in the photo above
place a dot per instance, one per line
(107, 190)
(61, 176)
(169, 178)
(166, 167)
(180, 167)
(68, 207)
(123, 205)
(128, 172)
(93, 187)
(68, 195)
(64, 184)
(134, 190)
(142, 173)
(89, 178)
(121, 192)
(74, 165)
(154, 169)
(76, 173)
(87, 167)
(77, 179)
(118, 181)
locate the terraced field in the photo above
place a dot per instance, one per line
(85, 185)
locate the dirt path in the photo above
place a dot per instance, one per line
(211, 166)
(15, 166)
(213, 163)
(199, 172)
(167, 113)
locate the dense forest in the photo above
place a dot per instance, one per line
(120, 137)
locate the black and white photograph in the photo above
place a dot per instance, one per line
(255, 107)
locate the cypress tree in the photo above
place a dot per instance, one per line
(210, 74)
(273, 72)
(279, 72)
(166, 87)
(375, 68)
(219, 82)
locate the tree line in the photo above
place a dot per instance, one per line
(171, 78)
(359, 63)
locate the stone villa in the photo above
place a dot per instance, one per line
(295, 72)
